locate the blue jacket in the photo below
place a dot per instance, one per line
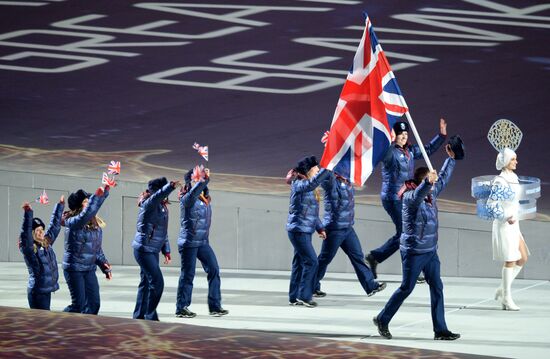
(195, 217)
(41, 261)
(303, 212)
(339, 203)
(420, 223)
(152, 223)
(83, 250)
(398, 166)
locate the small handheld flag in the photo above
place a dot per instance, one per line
(203, 150)
(198, 174)
(43, 198)
(114, 168)
(106, 180)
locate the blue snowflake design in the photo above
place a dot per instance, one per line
(501, 193)
(490, 211)
(482, 191)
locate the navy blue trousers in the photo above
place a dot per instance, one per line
(348, 241)
(412, 265)
(207, 257)
(39, 300)
(84, 290)
(394, 209)
(151, 285)
(304, 267)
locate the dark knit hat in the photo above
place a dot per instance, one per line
(156, 184)
(76, 198)
(400, 127)
(306, 164)
(37, 222)
(457, 146)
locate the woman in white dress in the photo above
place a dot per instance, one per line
(508, 242)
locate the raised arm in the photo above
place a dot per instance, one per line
(55, 221)
(191, 197)
(159, 195)
(309, 185)
(420, 192)
(26, 229)
(434, 144)
(89, 212)
(444, 176)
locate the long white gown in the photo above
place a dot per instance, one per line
(503, 202)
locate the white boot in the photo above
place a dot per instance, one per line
(499, 291)
(517, 269)
(498, 294)
(507, 278)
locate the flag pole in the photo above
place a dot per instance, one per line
(419, 141)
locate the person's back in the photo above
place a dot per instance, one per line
(339, 202)
(420, 214)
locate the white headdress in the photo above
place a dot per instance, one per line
(504, 157)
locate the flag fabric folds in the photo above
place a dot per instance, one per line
(370, 103)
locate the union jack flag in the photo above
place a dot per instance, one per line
(114, 168)
(198, 173)
(107, 180)
(369, 105)
(203, 150)
(43, 198)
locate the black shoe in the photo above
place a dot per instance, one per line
(382, 329)
(420, 279)
(381, 287)
(185, 313)
(219, 312)
(307, 303)
(448, 335)
(319, 294)
(294, 302)
(372, 263)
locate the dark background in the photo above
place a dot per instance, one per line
(106, 108)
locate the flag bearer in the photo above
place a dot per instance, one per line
(398, 166)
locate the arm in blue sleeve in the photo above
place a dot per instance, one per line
(310, 184)
(88, 213)
(26, 230)
(430, 148)
(329, 182)
(444, 176)
(166, 247)
(421, 192)
(159, 195)
(55, 223)
(318, 225)
(191, 197)
(101, 260)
